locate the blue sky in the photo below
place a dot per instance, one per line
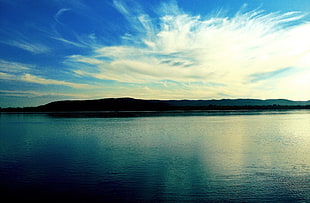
(156, 49)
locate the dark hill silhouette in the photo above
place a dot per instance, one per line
(238, 102)
(110, 104)
(130, 104)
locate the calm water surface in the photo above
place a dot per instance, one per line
(200, 157)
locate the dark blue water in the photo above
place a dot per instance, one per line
(199, 157)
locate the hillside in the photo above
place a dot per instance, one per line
(130, 104)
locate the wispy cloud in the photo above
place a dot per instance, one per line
(6, 76)
(23, 39)
(64, 32)
(22, 72)
(269, 75)
(35, 48)
(59, 13)
(237, 51)
(13, 67)
(44, 81)
(66, 41)
(18, 93)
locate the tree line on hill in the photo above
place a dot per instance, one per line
(130, 104)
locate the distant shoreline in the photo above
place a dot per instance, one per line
(171, 113)
(138, 105)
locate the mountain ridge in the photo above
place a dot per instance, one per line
(132, 104)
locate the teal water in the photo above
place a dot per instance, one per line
(171, 157)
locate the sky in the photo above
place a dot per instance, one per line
(157, 49)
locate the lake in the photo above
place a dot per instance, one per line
(231, 156)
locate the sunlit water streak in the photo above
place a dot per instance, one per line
(232, 156)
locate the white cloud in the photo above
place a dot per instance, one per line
(38, 94)
(184, 48)
(6, 76)
(13, 67)
(87, 60)
(23, 72)
(44, 81)
(66, 41)
(35, 48)
(59, 13)
(40, 80)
